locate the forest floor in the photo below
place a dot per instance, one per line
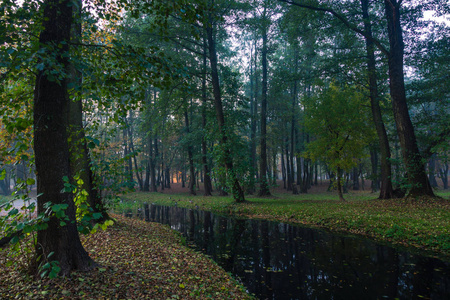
(421, 224)
(138, 260)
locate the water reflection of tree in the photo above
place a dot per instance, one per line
(280, 261)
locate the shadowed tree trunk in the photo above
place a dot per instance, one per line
(253, 110)
(293, 142)
(253, 124)
(289, 167)
(339, 184)
(443, 171)
(264, 185)
(51, 101)
(238, 193)
(190, 158)
(375, 185)
(386, 190)
(432, 171)
(131, 144)
(80, 161)
(417, 178)
(207, 184)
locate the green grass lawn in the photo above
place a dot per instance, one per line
(417, 223)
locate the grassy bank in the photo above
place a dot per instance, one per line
(138, 260)
(418, 223)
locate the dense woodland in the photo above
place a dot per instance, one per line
(224, 97)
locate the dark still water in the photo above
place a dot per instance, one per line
(282, 261)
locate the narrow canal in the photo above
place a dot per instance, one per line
(281, 261)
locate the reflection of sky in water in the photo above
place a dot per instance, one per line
(280, 261)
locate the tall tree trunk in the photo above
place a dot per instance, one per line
(301, 180)
(355, 178)
(264, 186)
(146, 179)
(274, 166)
(432, 171)
(375, 177)
(339, 184)
(51, 101)
(253, 109)
(161, 167)
(293, 139)
(154, 158)
(289, 167)
(300, 177)
(190, 158)
(417, 177)
(283, 169)
(316, 173)
(255, 114)
(207, 184)
(238, 193)
(80, 161)
(444, 174)
(138, 175)
(167, 177)
(386, 189)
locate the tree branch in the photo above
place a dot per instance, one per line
(343, 20)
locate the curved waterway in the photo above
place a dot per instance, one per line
(282, 261)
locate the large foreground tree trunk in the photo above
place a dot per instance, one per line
(51, 149)
(417, 178)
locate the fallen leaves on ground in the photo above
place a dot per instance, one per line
(138, 260)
